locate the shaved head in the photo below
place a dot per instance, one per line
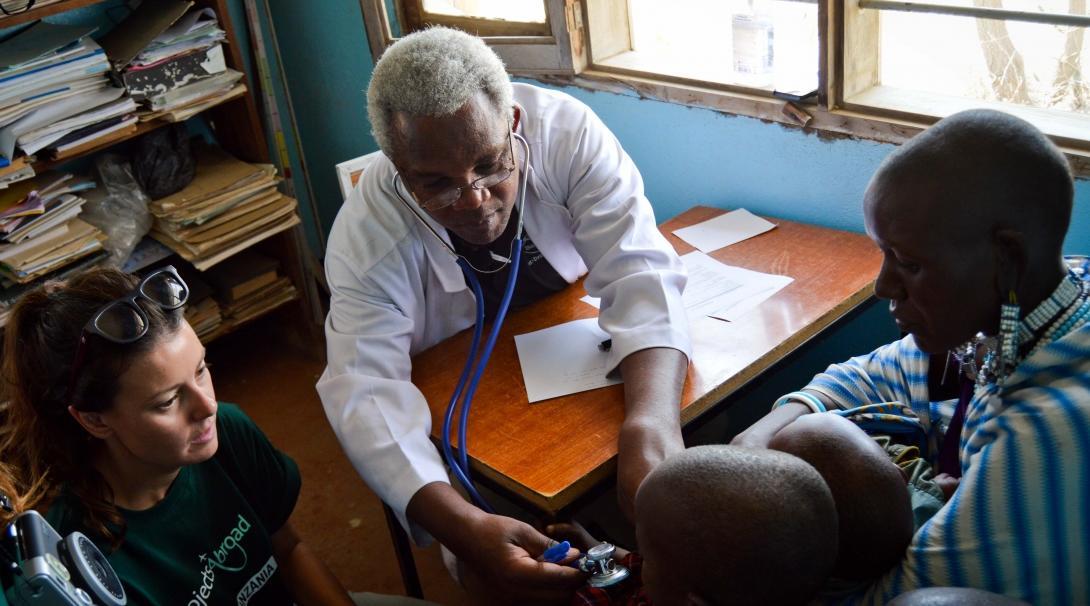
(734, 525)
(981, 170)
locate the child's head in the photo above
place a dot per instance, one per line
(733, 525)
(76, 394)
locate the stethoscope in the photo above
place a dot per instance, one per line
(476, 362)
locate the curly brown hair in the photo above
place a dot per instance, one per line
(42, 448)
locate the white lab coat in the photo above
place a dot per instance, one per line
(397, 291)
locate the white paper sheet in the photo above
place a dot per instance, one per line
(563, 359)
(719, 290)
(724, 230)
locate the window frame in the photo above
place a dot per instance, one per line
(842, 25)
(414, 16)
(559, 53)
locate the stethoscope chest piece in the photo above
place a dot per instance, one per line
(604, 572)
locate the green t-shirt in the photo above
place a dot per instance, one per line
(207, 542)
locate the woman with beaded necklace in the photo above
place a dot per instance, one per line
(985, 404)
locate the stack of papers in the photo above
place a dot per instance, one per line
(257, 303)
(201, 311)
(249, 284)
(229, 206)
(196, 30)
(172, 61)
(39, 229)
(55, 99)
(19, 169)
(205, 317)
(10, 291)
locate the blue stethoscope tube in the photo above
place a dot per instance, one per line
(476, 362)
(474, 368)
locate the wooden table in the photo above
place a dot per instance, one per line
(549, 453)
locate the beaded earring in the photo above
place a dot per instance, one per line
(1009, 316)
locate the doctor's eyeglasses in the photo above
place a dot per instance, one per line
(451, 195)
(124, 321)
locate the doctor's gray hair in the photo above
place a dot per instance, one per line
(434, 72)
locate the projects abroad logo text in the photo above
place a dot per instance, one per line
(228, 556)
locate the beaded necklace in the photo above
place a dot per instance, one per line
(1067, 308)
(1072, 317)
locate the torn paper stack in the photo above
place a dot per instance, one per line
(171, 60)
(229, 206)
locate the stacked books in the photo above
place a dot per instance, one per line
(55, 98)
(40, 230)
(201, 311)
(182, 71)
(228, 206)
(19, 169)
(249, 284)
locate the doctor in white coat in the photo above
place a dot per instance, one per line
(455, 134)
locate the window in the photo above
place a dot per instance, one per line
(482, 17)
(881, 69)
(531, 36)
(732, 44)
(935, 58)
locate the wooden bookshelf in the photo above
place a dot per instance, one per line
(142, 128)
(237, 127)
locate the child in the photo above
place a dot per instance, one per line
(726, 525)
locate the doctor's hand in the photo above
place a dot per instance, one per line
(498, 556)
(505, 565)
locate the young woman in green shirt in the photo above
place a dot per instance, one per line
(114, 421)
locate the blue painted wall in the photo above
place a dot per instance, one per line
(687, 156)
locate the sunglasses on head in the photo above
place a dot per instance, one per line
(123, 320)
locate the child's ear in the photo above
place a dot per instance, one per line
(91, 422)
(691, 599)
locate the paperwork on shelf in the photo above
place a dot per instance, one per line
(563, 359)
(229, 206)
(169, 58)
(202, 311)
(49, 252)
(195, 30)
(719, 290)
(39, 228)
(724, 230)
(184, 110)
(20, 169)
(55, 96)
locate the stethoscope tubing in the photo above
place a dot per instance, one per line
(477, 362)
(461, 464)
